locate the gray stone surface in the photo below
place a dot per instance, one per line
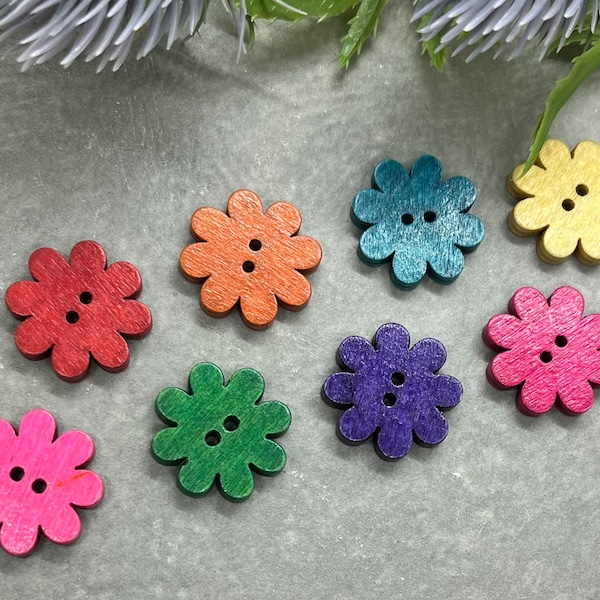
(506, 507)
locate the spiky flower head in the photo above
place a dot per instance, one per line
(99, 29)
(504, 24)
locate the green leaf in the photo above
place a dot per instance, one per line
(583, 66)
(293, 10)
(436, 59)
(362, 25)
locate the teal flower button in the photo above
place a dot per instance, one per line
(419, 220)
(220, 433)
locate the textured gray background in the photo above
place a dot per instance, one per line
(506, 507)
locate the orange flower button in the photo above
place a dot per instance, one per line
(250, 256)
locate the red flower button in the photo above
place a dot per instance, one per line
(77, 308)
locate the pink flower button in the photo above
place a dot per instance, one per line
(547, 349)
(40, 482)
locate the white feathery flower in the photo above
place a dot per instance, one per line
(504, 24)
(100, 29)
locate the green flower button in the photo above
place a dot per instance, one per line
(220, 432)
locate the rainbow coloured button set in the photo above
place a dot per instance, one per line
(220, 432)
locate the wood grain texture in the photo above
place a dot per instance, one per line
(546, 350)
(417, 220)
(560, 198)
(392, 392)
(220, 433)
(41, 481)
(250, 257)
(78, 308)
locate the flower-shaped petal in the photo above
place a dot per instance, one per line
(392, 391)
(71, 362)
(34, 339)
(246, 385)
(431, 428)
(208, 224)
(252, 257)
(377, 244)
(112, 354)
(504, 331)
(531, 216)
(206, 380)
(306, 253)
(355, 351)
(238, 485)
(562, 198)
(21, 298)
(549, 348)
(76, 308)
(445, 391)
(390, 176)
(356, 426)
(470, 234)
(447, 264)
(74, 448)
(576, 398)
(284, 217)
(62, 526)
(167, 446)
(339, 388)
(37, 429)
(269, 458)
(294, 291)
(391, 338)
(418, 221)
(46, 265)
(87, 257)
(394, 440)
(244, 206)
(558, 244)
(409, 266)
(218, 297)
(461, 193)
(195, 479)
(123, 280)
(19, 538)
(259, 307)
(367, 208)
(536, 397)
(133, 319)
(426, 173)
(220, 432)
(40, 482)
(427, 355)
(272, 417)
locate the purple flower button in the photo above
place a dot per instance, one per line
(392, 391)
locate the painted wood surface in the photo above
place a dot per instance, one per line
(418, 221)
(41, 481)
(250, 257)
(78, 309)
(220, 433)
(560, 198)
(391, 391)
(547, 350)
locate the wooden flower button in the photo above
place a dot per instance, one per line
(392, 391)
(560, 196)
(547, 350)
(220, 433)
(252, 257)
(418, 221)
(41, 481)
(78, 308)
